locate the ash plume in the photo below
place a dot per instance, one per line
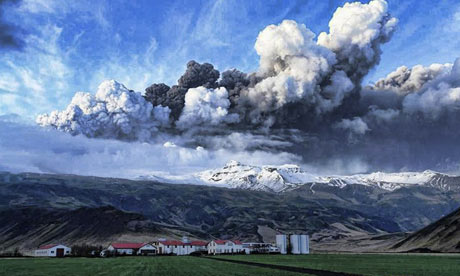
(306, 98)
(114, 112)
(174, 97)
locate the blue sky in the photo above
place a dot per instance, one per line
(72, 46)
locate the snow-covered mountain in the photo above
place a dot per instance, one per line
(287, 177)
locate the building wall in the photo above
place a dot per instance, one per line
(121, 251)
(51, 252)
(147, 248)
(176, 249)
(228, 247)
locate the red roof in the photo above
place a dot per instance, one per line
(127, 245)
(172, 242)
(220, 241)
(48, 246)
(224, 241)
(199, 243)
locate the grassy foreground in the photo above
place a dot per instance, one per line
(366, 264)
(131, 266)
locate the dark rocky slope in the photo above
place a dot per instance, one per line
(440, 236)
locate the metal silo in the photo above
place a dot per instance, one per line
(304, 244)
(281, 243)
(295, 244)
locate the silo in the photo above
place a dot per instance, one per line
(295, 244)
(281, 243)
(304, 244)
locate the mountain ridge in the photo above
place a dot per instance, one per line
(288, 177)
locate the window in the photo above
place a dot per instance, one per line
(52, 251)
(175, 246)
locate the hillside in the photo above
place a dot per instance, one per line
(440, 236)
(46, 208)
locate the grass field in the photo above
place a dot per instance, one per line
(131, 266)
(366, 264)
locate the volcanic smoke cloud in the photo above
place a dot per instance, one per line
(306, 97)
(114, 111)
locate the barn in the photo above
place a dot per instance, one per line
(52, 250)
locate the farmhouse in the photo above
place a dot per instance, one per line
(133, 248)
(224, 246)
(183, 247)
(52, 250)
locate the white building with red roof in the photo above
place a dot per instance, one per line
(225, 247)
(132, 248)
(52, 250)
(184, 247)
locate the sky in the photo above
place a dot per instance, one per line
(75, 45)
(320, 84)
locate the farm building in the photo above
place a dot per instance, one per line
(52, 250)
(133, 248)
(184, 247)
(260, 248)
(225, 247)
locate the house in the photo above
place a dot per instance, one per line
(132, 248)
(52, 250)
(184, 247)
(225, 247)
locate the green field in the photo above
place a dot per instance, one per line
(363, 264)
(366, 264)
(131, 266)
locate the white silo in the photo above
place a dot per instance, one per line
(304, 244)
(281, 243)
(295, 244)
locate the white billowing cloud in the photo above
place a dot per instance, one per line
(434, 101)
(430, 91)
(356, 125)
(356, 31)
(277, 44)
(29, 148)
(406, 80)
(384, 115)
(294, 67)
(335, 92)
(205, 106)
(114, 112)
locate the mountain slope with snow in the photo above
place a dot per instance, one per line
(287, 177)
